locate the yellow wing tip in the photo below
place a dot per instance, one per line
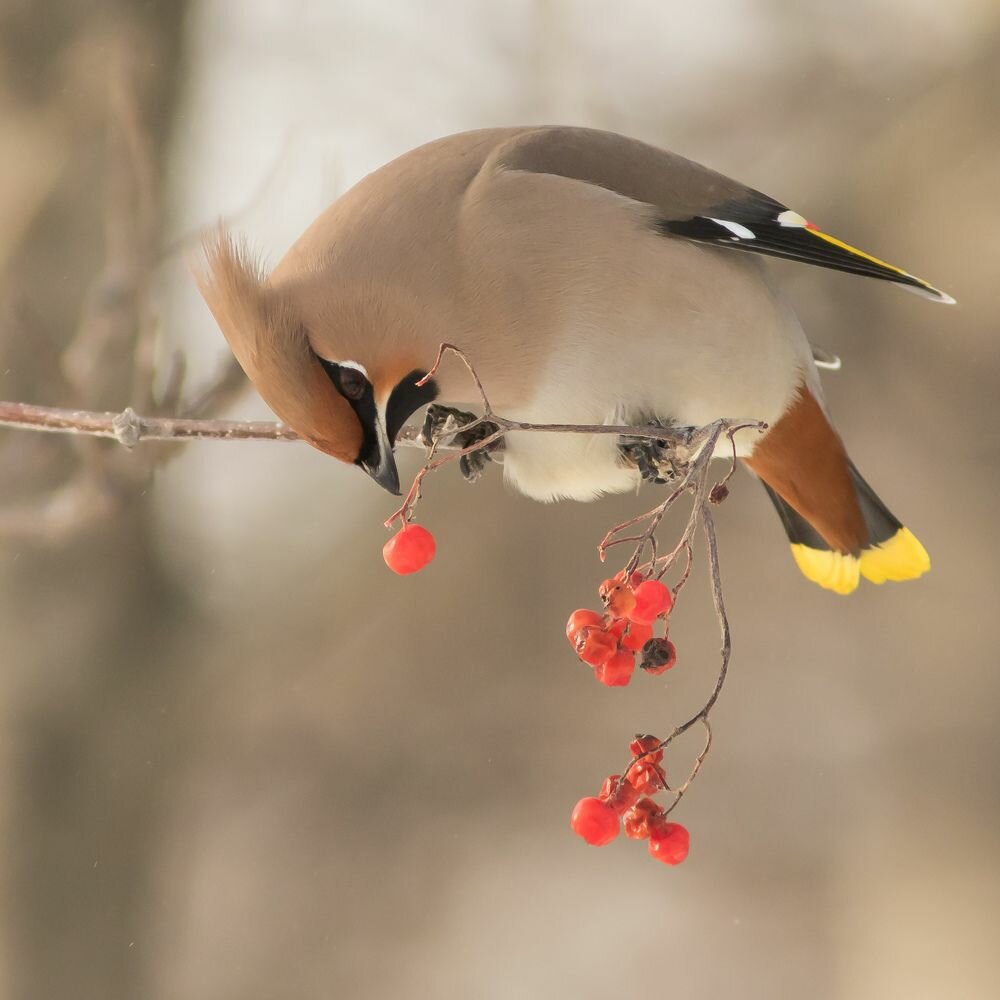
(921, 287)
(836, 571)
(902, 557)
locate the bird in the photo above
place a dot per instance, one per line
(591, 278)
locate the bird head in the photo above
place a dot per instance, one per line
(351, 406)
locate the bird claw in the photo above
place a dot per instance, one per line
(473, 465)
(443, 421)
(654, 458)
(446, 421)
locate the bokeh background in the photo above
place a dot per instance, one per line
(240, 760)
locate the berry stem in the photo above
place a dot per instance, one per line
(701, 511)
(693, 451)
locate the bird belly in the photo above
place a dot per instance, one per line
(565, 466)
(629, 326)
(683, 374)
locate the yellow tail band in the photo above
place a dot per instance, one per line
(836, 571)
(902, 557)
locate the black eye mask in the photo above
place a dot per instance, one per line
(405, 400)
(351, 383)
(358, 391)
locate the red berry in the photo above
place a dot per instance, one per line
(647, 778)
(618, 599)
(639, 820)
(595, 821)
(409, 550)
(617, 628)
(617, 672)
(618, 794)
(658, 656)
(580, 619)
(649, 745)
(618, 580)
(637, 636)
(652, 599)
(595, 646)
(668, 842)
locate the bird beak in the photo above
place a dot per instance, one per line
(385, 473)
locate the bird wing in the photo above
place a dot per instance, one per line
(693, 202)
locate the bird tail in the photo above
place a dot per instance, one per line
(891, 553)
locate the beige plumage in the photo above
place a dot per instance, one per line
(590, 279)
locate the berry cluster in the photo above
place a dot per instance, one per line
(627, 802)
(610, 642)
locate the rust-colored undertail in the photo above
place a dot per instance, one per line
(838, 527)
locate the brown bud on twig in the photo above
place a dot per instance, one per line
(719, 493)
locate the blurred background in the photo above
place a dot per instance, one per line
(242, 760)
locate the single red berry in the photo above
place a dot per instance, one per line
(618, 580)
(617, 672)
(637, 636)
(409, 550)
(608, 787)
(619, 600)
(669, 842)
(649, 745)
(617, 628)
(580, 619)
(595, 821)
(595, 646)
(638, 821)
(658, 656)
(618, 794)
(647, 778)
(652, 599)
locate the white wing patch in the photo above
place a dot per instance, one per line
(738, 231)
(792, 220)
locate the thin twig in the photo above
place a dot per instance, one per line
(27, 416)
(701, 513)
(129, 429)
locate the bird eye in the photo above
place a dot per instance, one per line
(352, 383)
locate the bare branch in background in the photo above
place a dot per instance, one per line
(129, 429)
(114, 345)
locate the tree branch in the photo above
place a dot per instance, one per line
(130, 428)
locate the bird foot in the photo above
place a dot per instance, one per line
(655, 458)
(447, 421)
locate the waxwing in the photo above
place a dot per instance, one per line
(590, 278)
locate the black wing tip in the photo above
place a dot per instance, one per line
(765, 237)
